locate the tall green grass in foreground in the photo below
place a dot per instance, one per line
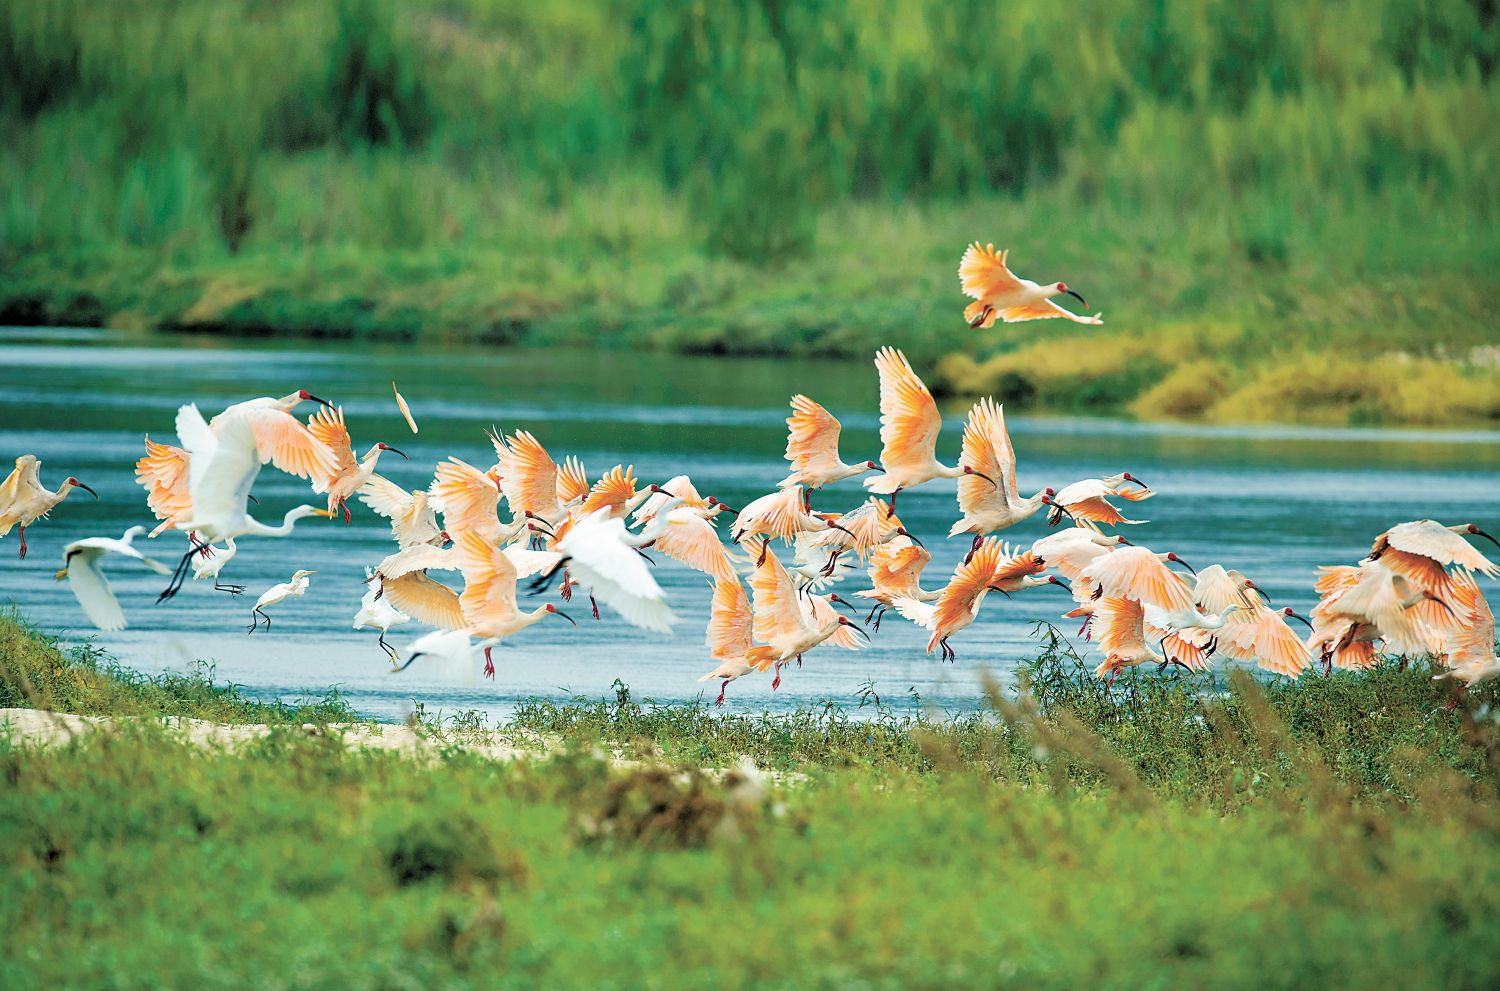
(1332, 833)
(1265, 198)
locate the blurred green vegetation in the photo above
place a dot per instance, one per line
(1339, 832)
(1240, 186)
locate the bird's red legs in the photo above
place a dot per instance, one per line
(984, 315)
(1083, 631)
(593, 605)
(722, 685)
(765, 545)
(1111, 683)
(891, 509)
(974, 548)
(489, 664)
(566, 589)
(1463, 690)
(207, 551)
(872, 613)
(23, 543)
(799, 662)
(776, 681)
(345, 507)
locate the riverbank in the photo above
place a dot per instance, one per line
(1209, 324)
(1260, 839)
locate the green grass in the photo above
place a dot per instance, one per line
(35, 673)
(1277, 227)
(1340, 832)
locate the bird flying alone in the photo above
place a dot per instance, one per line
(999, 294)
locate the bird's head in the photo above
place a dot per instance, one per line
(654, 488)
(871, 466)
(297, 576)
(715, 503)
(1472, 529)
(969, 470)
(846, 621)
(1060, 288)
(1432, 596)
(1054, 580)
(558, 612)
(74, 483)
(1288, 612)
(1131, 478)
(383, 446)
(1172, 557)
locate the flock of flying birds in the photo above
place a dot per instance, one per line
(1414, 594)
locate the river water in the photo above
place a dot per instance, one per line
(1275, 502)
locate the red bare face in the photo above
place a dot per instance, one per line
(303, 394)
(1062, 287)
(1051, 491)
(871, 464)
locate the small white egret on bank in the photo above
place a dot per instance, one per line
(81, 567)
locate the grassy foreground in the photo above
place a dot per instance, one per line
(1277, 226)
(1334, 833)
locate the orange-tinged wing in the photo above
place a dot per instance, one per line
(1069, 551)
(909, 420)
(163, 472)
(1430, 538)
(692, 540)
(1119, 625)
(1265, 639)
(1472, 640)
(489, 594)
(1137, 573)
(896, 565)
(572, 480)
(779, 514)
(678, 485)
(1183, 648)
(327, 428)
(1013, 565)
(812, 443)
(1044, 309)
(405, 409)
(1336, 578)
(820, 612)
(616, 488)
(776, 611)
(529, 476)
(1419, 569)
(969, 582)
(424, 600)
(987, 450)
(984, 275)
(730, 621)
(466, 496)
(282, 440)
(1216, 590)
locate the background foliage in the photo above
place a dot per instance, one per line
(761, 175)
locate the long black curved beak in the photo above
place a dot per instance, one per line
(563, 615)
(840, 602)
(327, 405)
(912, 537)
(837, 527)
(1180, 561)
(1480, 533)
(1138, 482)
(394, 451)
(88, 490)
(1062, 509)
(1446, 608)
(997, 588)
(1077, 297)
(1058, 581)
(858, 629)
(980, 474)
(1301, 618)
